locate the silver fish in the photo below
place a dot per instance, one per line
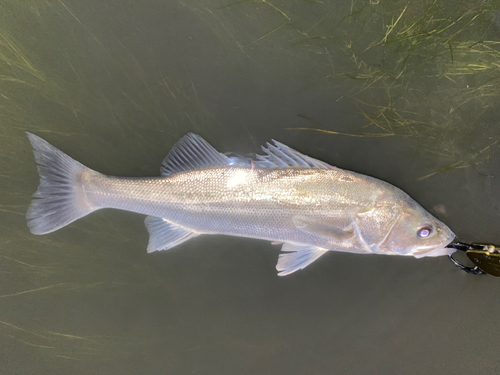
(282, 196)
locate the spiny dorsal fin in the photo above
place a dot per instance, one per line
(192, 152)
(279, 156)
(282, 156)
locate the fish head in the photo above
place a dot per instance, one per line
(405, 229)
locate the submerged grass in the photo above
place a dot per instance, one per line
(431, 72)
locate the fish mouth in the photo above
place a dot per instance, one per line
(436, 251)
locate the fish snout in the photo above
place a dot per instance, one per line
(444, 237)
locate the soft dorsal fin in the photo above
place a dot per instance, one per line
(282, 156)
(192, 152)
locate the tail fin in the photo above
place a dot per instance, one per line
(59, 199)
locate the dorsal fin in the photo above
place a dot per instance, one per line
(282, 156)
(192, 152)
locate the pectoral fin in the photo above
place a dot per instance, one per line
(317, 227)
(295, 257)
(164, 235)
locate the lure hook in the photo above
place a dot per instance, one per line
(474, 271)
(466, 247)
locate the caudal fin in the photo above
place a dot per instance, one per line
(59, 199)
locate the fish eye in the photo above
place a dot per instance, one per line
(424, 232)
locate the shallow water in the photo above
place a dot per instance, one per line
(115, 84)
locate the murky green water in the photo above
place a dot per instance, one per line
(404, 91)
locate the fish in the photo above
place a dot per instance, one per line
(282, 196)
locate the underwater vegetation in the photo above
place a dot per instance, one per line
(428, 70)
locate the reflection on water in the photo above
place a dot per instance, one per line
(116, 84)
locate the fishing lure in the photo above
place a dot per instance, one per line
(485, 257)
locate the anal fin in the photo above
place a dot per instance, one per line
(164, 235)
(295, 257)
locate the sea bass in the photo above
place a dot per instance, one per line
(283, 196)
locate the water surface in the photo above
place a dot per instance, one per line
(406, 92)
